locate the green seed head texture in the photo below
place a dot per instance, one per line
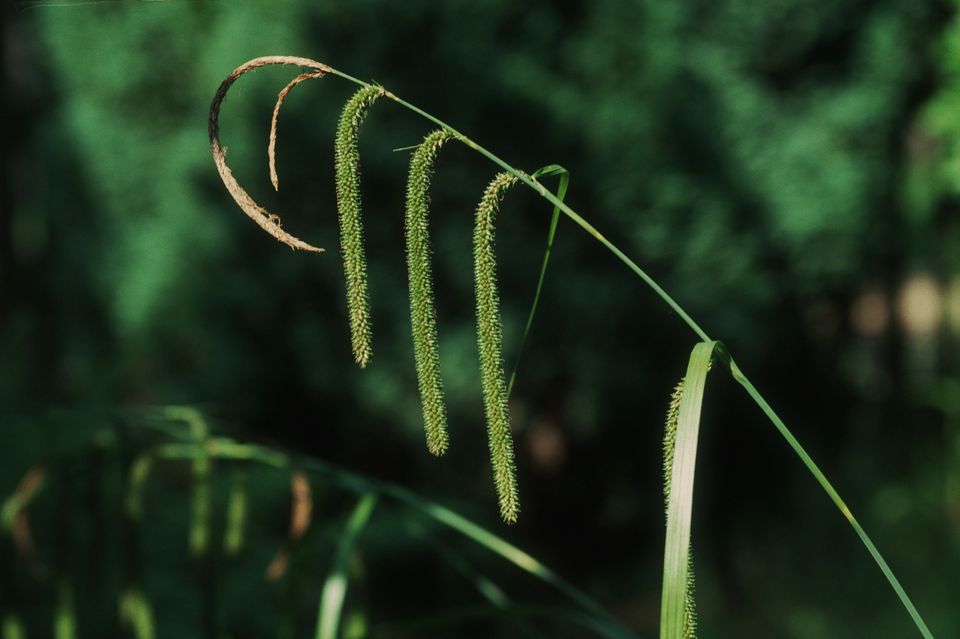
(347, 159)
(490, 345)
(669, 450)
(423, 315)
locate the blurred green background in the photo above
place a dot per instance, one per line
(788, 170)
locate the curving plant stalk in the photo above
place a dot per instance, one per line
(271, 224)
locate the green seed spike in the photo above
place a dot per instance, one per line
(670, 437)
(347, 158)
(423, 314)
(490, 345)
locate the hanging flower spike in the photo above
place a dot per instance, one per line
(347, 158)
(490, 346)
(423, 314)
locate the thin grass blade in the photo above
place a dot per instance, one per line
(488, 589)
(200, 498)
(831, 492)
(335, 587)
(467, 616)
(552, 169)
(228, 449)
(65, 618)
(676, 549)
(236, 514)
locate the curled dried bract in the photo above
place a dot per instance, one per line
(269, 222)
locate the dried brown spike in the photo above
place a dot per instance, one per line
(301, 512)
(272, 146)
(269, 222)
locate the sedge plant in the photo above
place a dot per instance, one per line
(678, 615)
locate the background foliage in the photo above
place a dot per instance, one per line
(790, 170)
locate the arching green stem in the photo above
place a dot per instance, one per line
(695, 327)
(269, 222)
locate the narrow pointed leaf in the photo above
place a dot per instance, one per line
(335, 587)
(676, 550)
(553, 169)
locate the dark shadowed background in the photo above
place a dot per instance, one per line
(788, 170)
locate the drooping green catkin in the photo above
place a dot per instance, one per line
(490, 346)
(669, 451)
(423, 315)
(347, 158)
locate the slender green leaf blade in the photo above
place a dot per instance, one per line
(503, 548)
(831, 492)
(468, 616)
(552, 169)
(676, 550)
(354, 482)
(335, 587)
